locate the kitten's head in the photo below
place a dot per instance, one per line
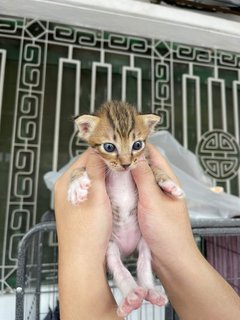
(118, 133)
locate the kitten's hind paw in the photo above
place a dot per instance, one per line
(132, 301)
(169, 187)
(78, 189)
(156, 297)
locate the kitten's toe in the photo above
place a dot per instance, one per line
(136, 297)
(84, 181)
(76, 193)
(156, 297)
(141, 292)
(172, 189)
(124, 309)
(132, 301)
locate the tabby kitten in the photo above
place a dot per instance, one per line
(118, 134)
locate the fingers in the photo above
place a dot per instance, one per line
(95, 167)
(80, 162)
(144, 179)
(157, 160)
(89, 160)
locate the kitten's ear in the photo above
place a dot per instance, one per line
(150, 120)
(86, 125)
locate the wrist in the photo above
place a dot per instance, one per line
(82, 285)
(171, 262)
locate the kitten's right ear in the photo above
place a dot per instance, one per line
(86, 125)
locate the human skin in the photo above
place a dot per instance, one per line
(194, 288)
(83, 235)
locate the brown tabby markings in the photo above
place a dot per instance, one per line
(117, 216)
(77, 173)
(119, 125)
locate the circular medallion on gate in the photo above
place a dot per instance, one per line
(219, 154)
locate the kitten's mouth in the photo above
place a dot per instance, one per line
(121, 168)
(126, 166)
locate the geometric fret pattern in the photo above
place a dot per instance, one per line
(50, 72)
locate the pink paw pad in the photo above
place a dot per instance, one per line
(78, 190)
(132, 301)
(156, 297)
(170, 187)
(84, 182)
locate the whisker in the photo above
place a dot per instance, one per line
(108, 171)
(101, 167)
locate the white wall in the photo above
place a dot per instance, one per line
(135, 17)
(7, 306)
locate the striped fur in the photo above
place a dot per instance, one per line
(120, 124)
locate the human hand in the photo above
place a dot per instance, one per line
(163, 221)
(194, 288)
(84, 229)
(83, 235)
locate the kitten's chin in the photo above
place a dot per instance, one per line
(120, 169)
(128, 169)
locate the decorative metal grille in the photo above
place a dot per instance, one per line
(50, 72)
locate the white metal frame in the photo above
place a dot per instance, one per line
(136, 18)
(131, 17)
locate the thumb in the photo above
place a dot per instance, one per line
(96, 171)
(144, 179)
(95, 167)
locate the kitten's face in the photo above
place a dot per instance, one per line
(118, 133)
(120, 150)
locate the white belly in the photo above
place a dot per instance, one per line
(123, 195)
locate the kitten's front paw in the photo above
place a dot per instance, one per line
(172, 189)
(132, 301)
(78, 189)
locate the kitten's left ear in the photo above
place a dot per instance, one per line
(150, 120)
(86, 125)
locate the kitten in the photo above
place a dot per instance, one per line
(118, 134)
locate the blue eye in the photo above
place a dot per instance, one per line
(137, 145)
(109, 147)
